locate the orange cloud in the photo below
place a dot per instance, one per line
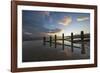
(65, 21)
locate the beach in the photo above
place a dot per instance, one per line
(35, 51)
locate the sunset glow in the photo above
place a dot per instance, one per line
(42, 23)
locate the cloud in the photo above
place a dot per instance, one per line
(55, 30)
(65, 21)
(47, 16)
(27, 33)
(82, 18)
(45, 13)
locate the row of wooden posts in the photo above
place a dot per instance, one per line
(50, 41)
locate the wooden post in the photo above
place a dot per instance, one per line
(55, 41)
(82, 43)
(50, 41)
(72, 42)
(63, 41)
(44, 41)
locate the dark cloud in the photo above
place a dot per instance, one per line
(33, 21)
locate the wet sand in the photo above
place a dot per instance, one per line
(34, 51)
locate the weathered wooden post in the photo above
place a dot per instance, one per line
(63, 41)
(55, 38)
(72, 42)
(50, 40)
(82, 43)
(44, 41)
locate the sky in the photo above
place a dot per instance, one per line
(43, 23)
